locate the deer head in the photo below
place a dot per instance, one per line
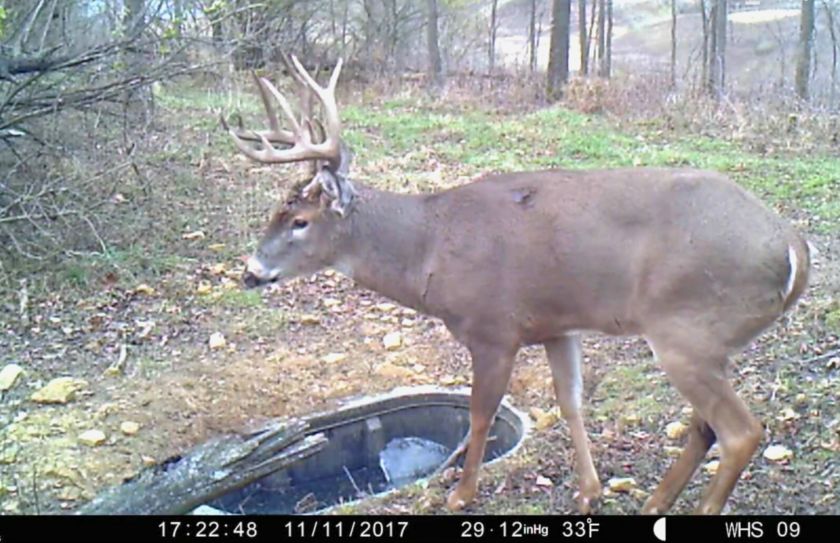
(303, 235)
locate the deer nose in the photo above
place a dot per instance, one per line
(256, 274)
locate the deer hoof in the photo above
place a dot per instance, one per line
(588, 500)
(651, 507)
(459, 498)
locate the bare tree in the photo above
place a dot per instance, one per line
(673, 43)
(717, 50)
(606, 70)
(558, 57)
(432, 41)
(806, 46)
(583, 38)
(532, 37)
(494, 26)
(832, 31)
(601, 36)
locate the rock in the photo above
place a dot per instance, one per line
(675, 430)
(59, 390)
(331, 302)
(8, 376)
(621, 484)
(148, 461)
(777, 453)
(392, 341)
(217, 341)
(386, 307)
(711, 467)
(334, 358)
(129, 427)
(92, 438)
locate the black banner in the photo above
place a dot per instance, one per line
(420, 529)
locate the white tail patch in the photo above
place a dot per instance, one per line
(794, 268)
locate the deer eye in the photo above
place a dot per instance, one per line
(299, 224)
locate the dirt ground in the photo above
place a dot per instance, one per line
(145, 355)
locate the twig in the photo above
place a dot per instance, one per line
(818, 358)
(352, 482)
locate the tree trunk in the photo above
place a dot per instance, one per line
(491, 50)
(607, 72)
(602, 35)
(583, 38)
(806, 46)
(673, 44)
(832, 31)
(704, 70)
(532, 37)
(717, 53)
(435, 64)
(217, 467)
(558, 56)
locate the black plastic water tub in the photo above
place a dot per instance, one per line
(375, 444)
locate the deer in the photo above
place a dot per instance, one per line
(684, 258)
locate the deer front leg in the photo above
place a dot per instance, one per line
(492, 367)
(564, 359)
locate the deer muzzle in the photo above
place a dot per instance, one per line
(257, 275)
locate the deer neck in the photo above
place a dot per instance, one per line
(385, 244)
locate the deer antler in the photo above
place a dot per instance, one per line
(300, 137)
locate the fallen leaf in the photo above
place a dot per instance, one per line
(59, 390)
(392, 341)
(621, 484)
(198, 234)
(675, 430)
(217, 340)
(203, 288)
(129, 427)
(143, 288)
(777, 453)
(334, 358)
(8, 376)
(544, 481)
(92, 438)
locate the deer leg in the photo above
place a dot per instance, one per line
(702, 380)
(700, 438)
(564, 359)
(492, 367)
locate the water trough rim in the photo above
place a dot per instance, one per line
(355, 402)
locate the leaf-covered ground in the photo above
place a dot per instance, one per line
(136, 323)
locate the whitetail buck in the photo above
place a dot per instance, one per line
(685, 258)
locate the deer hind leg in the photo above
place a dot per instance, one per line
(491, 373)
(564, 359)
(700, 439)
(702, 380)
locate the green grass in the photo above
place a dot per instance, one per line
(480, 141)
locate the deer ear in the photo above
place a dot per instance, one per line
(335, 190)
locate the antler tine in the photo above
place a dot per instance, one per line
(302, 134)
(326, 95)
